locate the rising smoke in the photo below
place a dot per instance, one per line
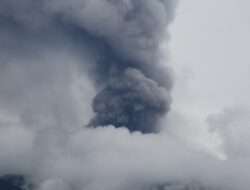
(130, 100)
(83, 93)
(130, 94)
(133, 91)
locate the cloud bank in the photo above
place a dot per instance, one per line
(84, 91)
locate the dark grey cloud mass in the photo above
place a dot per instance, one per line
(132, 100)
(131, 30)
(46, 45)
(83, 95)
(126, 34)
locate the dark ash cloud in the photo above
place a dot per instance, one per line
(130, 30)
(67, 64)
(132, 100)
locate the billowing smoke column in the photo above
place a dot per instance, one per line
(134, 92)
(119, 46)
(130, 99)
(133, 89)
(66, 64)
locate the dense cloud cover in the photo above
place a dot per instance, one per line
(131, 100)
(84, 88)
(126, 35)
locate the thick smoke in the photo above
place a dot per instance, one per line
(68, 64)
(131, 100)
(12, 183)
(129, 33)
(131, 30)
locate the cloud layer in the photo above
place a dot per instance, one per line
(66, 65)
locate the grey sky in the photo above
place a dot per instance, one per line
(210, 38)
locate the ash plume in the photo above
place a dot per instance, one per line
(132, 100)
(132, 92)
(127, 35)
(82, 81)
(45, 45)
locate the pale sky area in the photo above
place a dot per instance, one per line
(210, 40)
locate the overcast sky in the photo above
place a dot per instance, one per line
(210, 39)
